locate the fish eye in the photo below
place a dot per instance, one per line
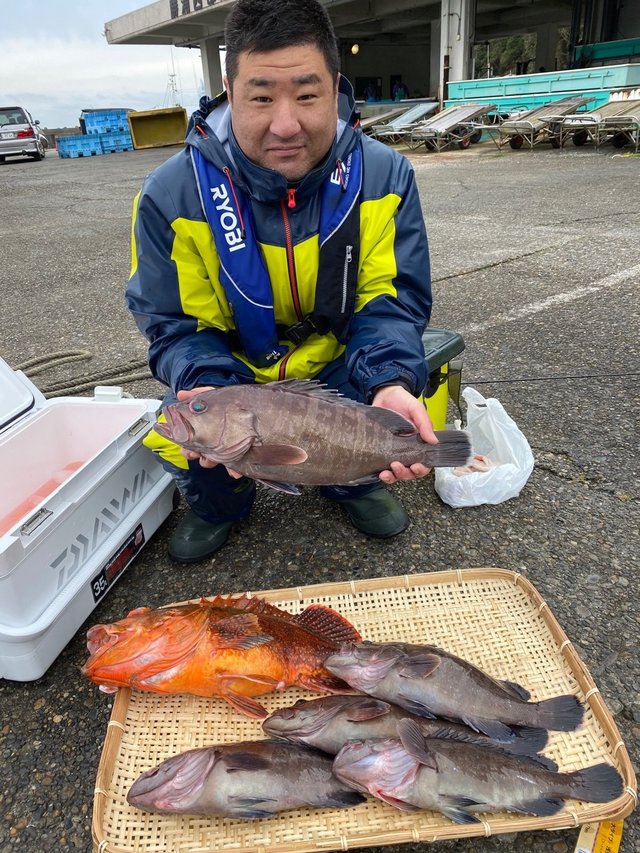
(197, 407)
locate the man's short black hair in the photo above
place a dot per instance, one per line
(264, 25)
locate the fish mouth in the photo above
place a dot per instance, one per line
(175, 784)
(177, 428)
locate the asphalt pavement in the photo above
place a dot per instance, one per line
(536, 262)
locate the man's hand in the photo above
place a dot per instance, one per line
(399, 400)
(192, 454)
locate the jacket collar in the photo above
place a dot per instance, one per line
(211, 133)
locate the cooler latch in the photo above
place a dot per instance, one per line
(35, 521)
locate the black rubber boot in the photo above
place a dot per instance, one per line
(195, 539)
(378, 514)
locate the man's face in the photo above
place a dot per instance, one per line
(284, 108)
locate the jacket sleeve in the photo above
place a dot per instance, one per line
(182, 353)
(393, 302)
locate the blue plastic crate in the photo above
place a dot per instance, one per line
(115, 142)
(105, 121)
(78, 146)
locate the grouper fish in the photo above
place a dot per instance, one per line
(298, 432)
(234, 647)
(247, 780)
(411, 772)
(328, 722)
(431, 682)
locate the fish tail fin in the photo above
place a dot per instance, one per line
(452, 450)
(599, 783)
(528, 740)
(561, 713)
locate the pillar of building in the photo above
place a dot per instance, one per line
(546, 45)
(435, 65)
(211, 70)
(456, 36)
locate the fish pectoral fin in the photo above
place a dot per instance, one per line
(239, 632)
(416, 707)
(516, 690)
(395, 802)
(277, 454)
(492, 728)
(414, 742)
(248, 813)
(287, 488)
(422, 665)
(455, 809)
(367, 709)
(542, 807)
(245, 705)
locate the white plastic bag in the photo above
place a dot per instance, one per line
(495, 435)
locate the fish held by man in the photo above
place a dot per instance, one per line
(233, 647)
(248, 780)
(411, 772)
(430, 682)
(328, 722)
(298, 432)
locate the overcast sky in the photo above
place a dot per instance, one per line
(55, 61)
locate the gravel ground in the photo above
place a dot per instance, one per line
(536, 262)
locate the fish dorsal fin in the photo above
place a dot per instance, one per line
(239, 631)
(516, 690)
(392, 421)
(414, 742)
(309, 388)
(248, 603)
(328, 624)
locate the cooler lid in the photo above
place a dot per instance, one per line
(16, 395)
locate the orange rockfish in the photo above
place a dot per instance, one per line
(231, 647)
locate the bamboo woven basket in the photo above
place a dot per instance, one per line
(494, 618)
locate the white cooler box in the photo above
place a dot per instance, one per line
(80, 497)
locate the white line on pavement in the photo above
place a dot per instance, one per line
(557, 299)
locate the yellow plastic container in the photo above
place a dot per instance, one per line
(441, 347)
(156, 128)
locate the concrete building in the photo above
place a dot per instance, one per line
(426, 43)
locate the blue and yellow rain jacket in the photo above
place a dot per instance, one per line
(196, 303)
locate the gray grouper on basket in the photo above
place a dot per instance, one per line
(411, 772)
(430, 682)
(248, 780)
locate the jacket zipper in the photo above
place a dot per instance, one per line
(291, 266)
(345, 274)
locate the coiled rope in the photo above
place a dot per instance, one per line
(132, 372)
